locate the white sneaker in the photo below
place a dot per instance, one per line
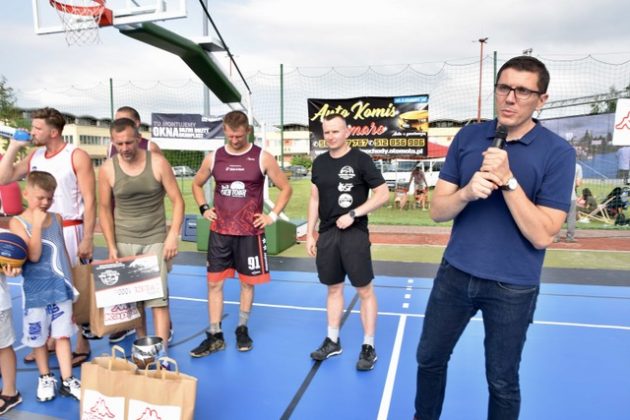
(71, 387)
(46, 387)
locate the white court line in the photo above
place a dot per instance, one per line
(386, 399)
(399, 314)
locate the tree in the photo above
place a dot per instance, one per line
(609, 105)
(303, 160)
(9, 113)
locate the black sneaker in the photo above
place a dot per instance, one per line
(367, 358)
(327, 349)
(119, 336)
(87, 333)
(212, 343)
(243, 341)
(71, 387)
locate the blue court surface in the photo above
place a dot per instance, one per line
(575, 364)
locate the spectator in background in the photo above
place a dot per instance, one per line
(572, 215)
(586, 203)
(420, 186)
(623, 163)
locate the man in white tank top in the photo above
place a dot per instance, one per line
(75, 194)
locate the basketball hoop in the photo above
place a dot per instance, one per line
(82, 19)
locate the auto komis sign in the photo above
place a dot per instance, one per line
(384, 127)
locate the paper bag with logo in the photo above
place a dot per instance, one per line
(105, 321)
(82, 279)
(103, 386)
(160, 394)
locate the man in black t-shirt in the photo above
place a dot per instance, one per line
(341, 181)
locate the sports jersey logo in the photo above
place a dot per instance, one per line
(344, 201)
(343, 187)
(234, 168)
(346, 173)
(236, 190)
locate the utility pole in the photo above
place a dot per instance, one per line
(481, 42)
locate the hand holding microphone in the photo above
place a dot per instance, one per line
(499, 137)
(496, 162)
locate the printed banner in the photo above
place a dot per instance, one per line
(128, 280)
(186, 132)
(384, 127)
(621, 134)
(184, 126)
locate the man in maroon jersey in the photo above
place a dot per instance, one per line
(237, 239)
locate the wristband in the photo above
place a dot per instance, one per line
(203, 208)
(273, 216)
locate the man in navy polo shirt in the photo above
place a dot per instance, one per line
(506, 206)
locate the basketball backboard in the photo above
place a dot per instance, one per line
(125, 13)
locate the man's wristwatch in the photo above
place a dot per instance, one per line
(510, 185)
(203, 208)
(352, 214)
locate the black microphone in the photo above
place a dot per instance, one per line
(499, 137)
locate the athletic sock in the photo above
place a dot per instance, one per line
(333, 334)
(368, 339)
(215, 328)
(243, 317)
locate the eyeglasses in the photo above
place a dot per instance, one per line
(519, 91)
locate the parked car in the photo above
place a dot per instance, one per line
(183, 171)
(399, 171)
(297, 170)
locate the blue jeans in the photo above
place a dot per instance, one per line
(507, 312)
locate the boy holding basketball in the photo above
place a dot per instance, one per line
(47, 287)
(10, 396)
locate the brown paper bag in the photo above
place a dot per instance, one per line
(82, 279)
(162, 394)
(105, 321)
(104, 385)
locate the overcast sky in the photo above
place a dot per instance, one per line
(264, 33)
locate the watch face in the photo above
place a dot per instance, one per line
(512, 184)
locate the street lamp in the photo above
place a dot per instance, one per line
(481, 42)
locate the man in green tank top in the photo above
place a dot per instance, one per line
(138, 180)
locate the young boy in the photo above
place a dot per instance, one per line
(10, 396)
(47, 286)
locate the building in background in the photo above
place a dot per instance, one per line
(296, 142)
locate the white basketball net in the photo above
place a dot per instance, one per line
(80, 19)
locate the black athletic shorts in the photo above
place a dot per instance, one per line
(344, 252)
(247, 255)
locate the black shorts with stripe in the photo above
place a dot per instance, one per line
(344, 252)
(246, 255)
